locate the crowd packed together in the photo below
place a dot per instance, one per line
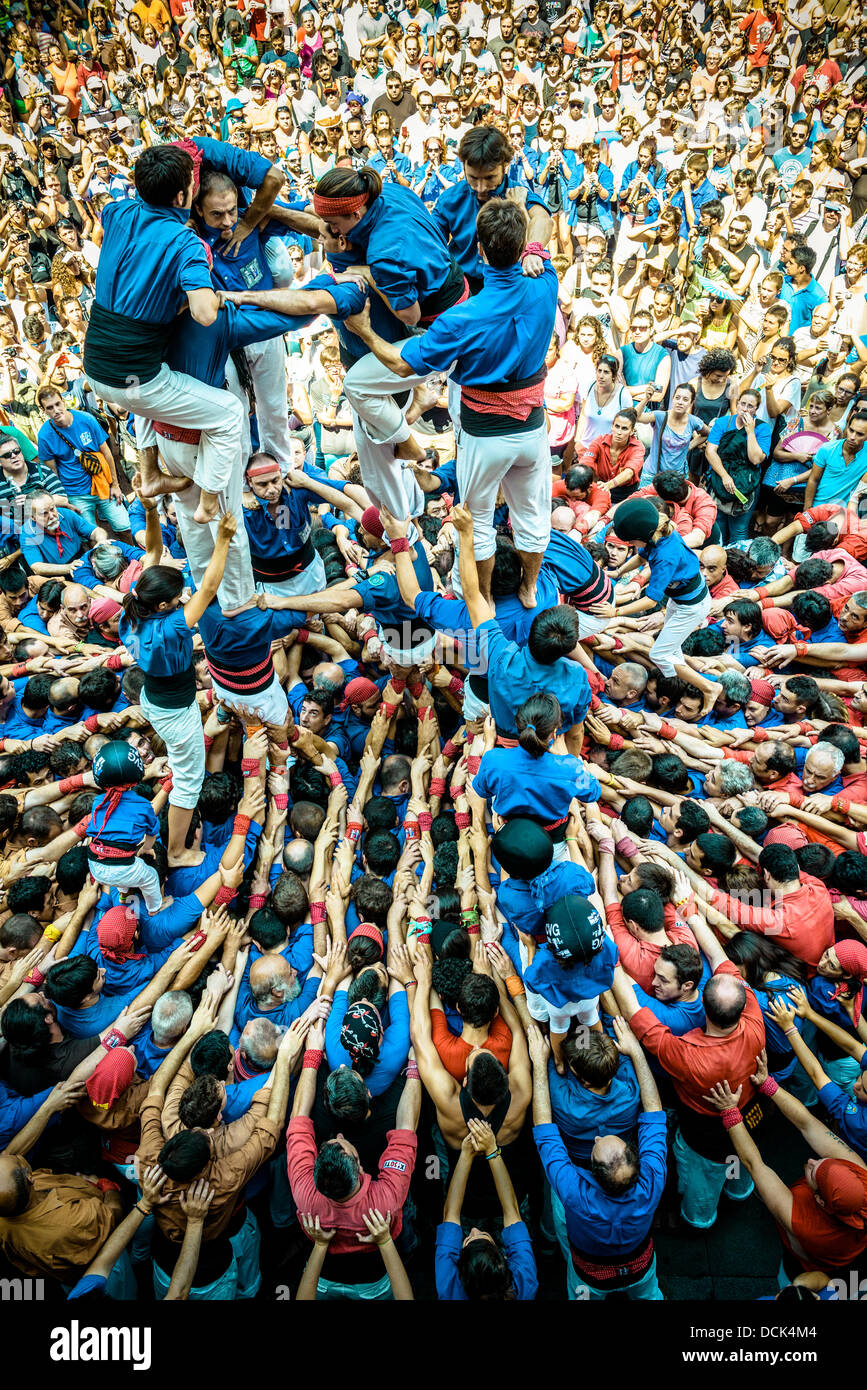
(433, 634)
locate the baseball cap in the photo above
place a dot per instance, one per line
(833, 207)
(256, 83)
(780, 60)
(123, 122)
(574, 930)
(91, 123)
(94, 81)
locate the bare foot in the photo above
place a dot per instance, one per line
(423, 398)
(208, 508)
(150, 481)
(408, 449)
(527, 595)
(186, 859)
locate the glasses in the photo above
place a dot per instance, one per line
(779, 357)
(10, 454)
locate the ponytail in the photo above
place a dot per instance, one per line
(343, 191)
(537, 721)
(159, 584)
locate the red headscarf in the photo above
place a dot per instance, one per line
(115, 934)
(114, 1072)
(843, 1188)
(852, 956)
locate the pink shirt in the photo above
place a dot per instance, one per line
(851, 581)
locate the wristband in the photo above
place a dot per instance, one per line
(438, 786)
(281, 801)
(769, 1086)
(787, 1031)
(225, 895)
(796, 798)
(667, 730)
(400, 545)
(390, 709)
(416, 689)
(426, 712)
(805, 727)
(353, 830)
(92, 724)
(257, 900)
(241, 824)
(398, 684)
(800, 648)
(767, 603)
(335, 779)
(81, 828)
(35, 977)
(732, 1117)
(52, 933)
(616, 741)
(250, 767)
(209, 742)
(462, 820)
(317, 913)
(312, 1058)
(410, 830)
(840, 803)
(606, 845)
(302, 635)
(295, 734)
(425, 821)
(761, 593)
(114, 662)
(167, 783)
(113, 1038)
(496, 1154)
(515, 986)
(455, 686)
(106, 1185)
(759, 735)
(535, 248)
(19, 669)
(141, 1210)
(412, 1066)
(473, 762)
(626, 847)
(407, 984)
(618, 645)
(71, 784)
(450, 749)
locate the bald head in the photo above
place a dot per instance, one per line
(273, 982)
(724, 998)
(15, 1181)
(63, 692)
(614, 1164)
(712, 562)
(74, 595)
(328, 676)
(298, 856)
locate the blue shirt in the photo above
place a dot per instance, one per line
(59, 547)
(127, 824)
(15, 1111)
(393, 1049)
(455, 215)
(639, 368)
(513, 675)
(596, 1223)
(705, 193)
(519, 1257)
(502, 334)
(86, 1023)
(85, 433)
(581, 1114)
(674, 571)
(515, 784)
(85, 573)
(403, 247)
(162, 645)
(148, 261)
(802, 302)
(452, 615)
(851, 1115)
(838, 475)
(790, 166)
(380, 595)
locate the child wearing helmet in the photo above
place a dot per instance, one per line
(122, 825)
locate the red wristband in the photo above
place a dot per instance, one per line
(796, 798)
(425, 821)
(317, 912)
(81, 828)
(473, 762)
(225, 895)
(800, 648)
(667, 730)
(760, 735)
(412, 1071)
(19, 669)
(92, 724)
(281, 801)
(302, 635)
(257, 900)
(106, 1185)
(250, 767)
(410, 829)
(616, 741)
(762, 594)
(769, 1086)
(71, 784)
(455, 686)
(438, 786)
(398, 684)
(312, 1058)
(400, 545)
(167, 783)
(209, 742)
(732, 1117)
(114, 662)
(840, 803)
(390, 709)
(240, 825)
(353, 830)
(35, 977)
(462, 820)
(295, 735)
(416, 689)
(450, 749)
(335, 779)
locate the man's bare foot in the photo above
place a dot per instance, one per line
(408, 449)
(208, 508)
(424, 397)
(186, 859)
(150, 481)
(527, 595)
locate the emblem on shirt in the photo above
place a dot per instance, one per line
(251, 273)
(396, 1164)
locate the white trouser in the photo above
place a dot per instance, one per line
(680, 620)
(410, 654)
(270, 705)
(311, 580)
(520, 463)
(180, 400)
(138, 875)
(588, 626)
(268, 368)
(236, 586)
(379, 425)
(181, 732)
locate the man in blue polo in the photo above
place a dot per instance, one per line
(800, 291)
(487, 156)
(65, 436)
(151, 266)
(838, 467)
(605, 1216)
(52, 537)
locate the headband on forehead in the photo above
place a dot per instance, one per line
(338, 207)
(259, 470)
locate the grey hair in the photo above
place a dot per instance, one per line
(171, 1016)
(735, 778)
(763, 551)
(107, 560)
(736, 687)
(636, 674)
(260, 1041)
(282, 989)
(830, 750)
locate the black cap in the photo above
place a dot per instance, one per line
(574, 930)
(635, 520)
(522, 848)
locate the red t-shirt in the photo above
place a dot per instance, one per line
(828, 1244)
(639, 957)
(802, 922)
(696, 1061)
(453, 1051)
